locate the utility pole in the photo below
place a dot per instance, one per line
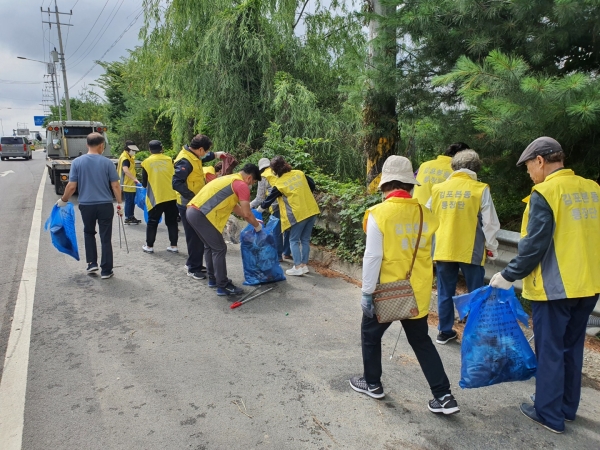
(62, 53)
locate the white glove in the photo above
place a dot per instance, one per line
(498, 281)
(260, 210)
(219, 154)
(119, 209)
(60, 203)
(258, 228)
(492, 255)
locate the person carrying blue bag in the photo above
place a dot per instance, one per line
(558, 262)
(493, 349)
(61, 224)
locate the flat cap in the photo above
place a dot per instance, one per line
(541, 146)
(155, 145)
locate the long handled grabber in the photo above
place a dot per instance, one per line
(119, 226)
(124, 235)
(394, 351)
(246, 298)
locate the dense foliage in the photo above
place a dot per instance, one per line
(266, 77)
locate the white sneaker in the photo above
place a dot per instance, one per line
(173, 249)
(305, 269)
(147, 249)
(297, 271)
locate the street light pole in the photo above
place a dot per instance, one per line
(62, 61)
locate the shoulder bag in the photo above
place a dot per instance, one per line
(396, 300)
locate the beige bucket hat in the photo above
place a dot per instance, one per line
(263, 163)
(398, 168)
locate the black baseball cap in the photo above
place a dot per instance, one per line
(540, 147)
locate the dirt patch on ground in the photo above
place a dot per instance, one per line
(324, 270)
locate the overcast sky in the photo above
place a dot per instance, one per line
(23, 34)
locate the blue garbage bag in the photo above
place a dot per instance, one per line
(494, 349)
(61, 224)
(259, 254)
(140, 201)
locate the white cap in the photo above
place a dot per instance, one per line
(398, 168)
(263, 163)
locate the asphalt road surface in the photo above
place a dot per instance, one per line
(152, 359)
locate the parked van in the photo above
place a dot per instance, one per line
(14, 147)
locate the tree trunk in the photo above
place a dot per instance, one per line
(380, 103)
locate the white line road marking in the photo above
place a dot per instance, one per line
(13, 386)
(6, 172)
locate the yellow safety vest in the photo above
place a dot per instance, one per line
(398, 220)
(270, 176)
(207, 170)
(297, 201)
(160, 172)
(457, 204)
(195, 180)
(570, 268)
(125, 180)
(430, 173)
(217, 199)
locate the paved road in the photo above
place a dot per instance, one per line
(152, 359)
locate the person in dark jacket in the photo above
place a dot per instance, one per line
(188, 180)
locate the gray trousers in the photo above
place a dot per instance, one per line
(215, 248)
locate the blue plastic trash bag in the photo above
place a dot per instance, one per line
(61, 224)
(494, 349)
(259, 254)
(140, 201)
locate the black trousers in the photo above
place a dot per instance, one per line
(416, 331)
(195, 246)
(215, 248)
(559, 327)
(103, 215)
(171, 213)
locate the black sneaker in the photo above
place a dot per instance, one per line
(529, 412)
(445, 405)
(443, 338)
(132, 221)
(212, 282)
(372, 390)
(92, 267)
(106, 276)
(230, 289)
(197, 276)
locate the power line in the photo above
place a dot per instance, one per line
(99, 35)
(19, 82)
(86, 36)
(110, 48)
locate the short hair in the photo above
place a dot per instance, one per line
(453, 149)
(279, 166)
(201, 141)
(466, 159)
(95, 139)
(554, 157)
(395, 184)
(252, 169)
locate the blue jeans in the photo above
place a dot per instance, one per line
(287, 251)
(559, 327)
(447, 277)
(278, 235)
(129, 199)
(300, 237)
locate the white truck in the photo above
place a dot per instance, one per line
(65, 141)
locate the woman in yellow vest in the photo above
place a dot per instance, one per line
(207, 214)
(297, 207)
(558, 261)
(436, 171)
(467, 232)
(157, 176)
(129, 181)
(392, 229)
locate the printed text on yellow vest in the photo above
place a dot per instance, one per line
(398, 219)
(570, 267)
(430, 173)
